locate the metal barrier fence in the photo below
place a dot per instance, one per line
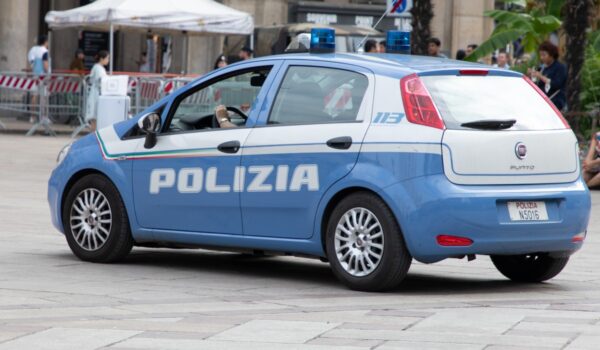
(145, 91)
(44, 99)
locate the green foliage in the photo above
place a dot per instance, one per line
(554, 7)
(591, 73)
(590, 94)
(533, 25)
(595, 41)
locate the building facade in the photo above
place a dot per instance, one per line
(456, 22)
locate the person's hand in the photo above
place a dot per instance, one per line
(590, 164)
(536, 74)
(221, 114)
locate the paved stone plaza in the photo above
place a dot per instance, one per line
(196, 299)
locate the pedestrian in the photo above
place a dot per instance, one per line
(371, 46)
(471, 48)
(551, 76)
(502, 61)
(461, 54)
(77, 64)
(39, 58)
(591, 163)
(433, 48)
(245, 53)
(221, 62)
(39, 62)
(95, 80)
(144, 65)
(382, 46)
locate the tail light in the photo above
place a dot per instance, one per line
(545, 97)
(453, 241)
(418, 104)
(578, 238)
(481, 72)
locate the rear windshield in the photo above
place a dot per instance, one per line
(463, 99)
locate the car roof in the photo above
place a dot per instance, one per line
(385, 64)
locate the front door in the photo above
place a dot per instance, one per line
(307, 140)
(189, 180)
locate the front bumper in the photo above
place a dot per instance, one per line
(55, 187)
(430, 206)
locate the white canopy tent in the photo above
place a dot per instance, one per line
(184, 16)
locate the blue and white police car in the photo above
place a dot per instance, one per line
(365, 161)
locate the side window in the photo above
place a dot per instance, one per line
(318, 95)
(196, 110)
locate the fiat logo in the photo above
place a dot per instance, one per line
(521, 150)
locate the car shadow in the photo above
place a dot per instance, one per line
(301, 271)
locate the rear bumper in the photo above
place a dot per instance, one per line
(430, 206)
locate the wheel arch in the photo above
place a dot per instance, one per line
(336, 198)
(78, 176)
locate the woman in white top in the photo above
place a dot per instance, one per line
(98, 72)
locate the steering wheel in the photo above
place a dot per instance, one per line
(215, 122)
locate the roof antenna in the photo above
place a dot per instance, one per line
(395, 6)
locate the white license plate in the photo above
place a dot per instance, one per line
(527, 211)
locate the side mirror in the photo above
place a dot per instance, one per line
(150, 125)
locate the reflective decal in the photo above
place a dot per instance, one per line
(388, 118)
(195, 180)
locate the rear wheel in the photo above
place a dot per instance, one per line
(95, 221)
(364, 244)
(537, 267)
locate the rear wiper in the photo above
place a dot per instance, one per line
(490, 124)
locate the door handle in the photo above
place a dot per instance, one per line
(229, 147)
(343, 142)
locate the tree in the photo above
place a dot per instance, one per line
(576, 23)
(422, 13)
(533, 22)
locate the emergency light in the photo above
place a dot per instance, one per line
(322, 40)
(398, 42)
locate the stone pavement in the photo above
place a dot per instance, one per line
(197, 299)
(11, 125)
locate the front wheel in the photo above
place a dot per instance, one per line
(537, 267)
(364, 244)
(95, 221)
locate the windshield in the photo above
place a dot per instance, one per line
(465, 99)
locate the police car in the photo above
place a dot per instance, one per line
(365, 161)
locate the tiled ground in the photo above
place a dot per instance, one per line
(163, 299)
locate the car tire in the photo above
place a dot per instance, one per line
(362, 225)
(529, 267)
(95, 221)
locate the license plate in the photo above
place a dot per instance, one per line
(527, 211)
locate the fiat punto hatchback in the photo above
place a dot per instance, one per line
(364, 161)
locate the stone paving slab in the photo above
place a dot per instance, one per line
(199, 299)
(288, 332)
(75, 339)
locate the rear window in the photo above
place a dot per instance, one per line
(463, 99)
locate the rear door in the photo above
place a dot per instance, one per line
(308, 137)
(501, 130)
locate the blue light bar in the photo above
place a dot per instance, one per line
(322, 40)
(398, 42)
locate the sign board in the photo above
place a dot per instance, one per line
(92, 42)
(321, 18)
(364, 21)
(399, 8)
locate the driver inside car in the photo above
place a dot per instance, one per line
(222, 115)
